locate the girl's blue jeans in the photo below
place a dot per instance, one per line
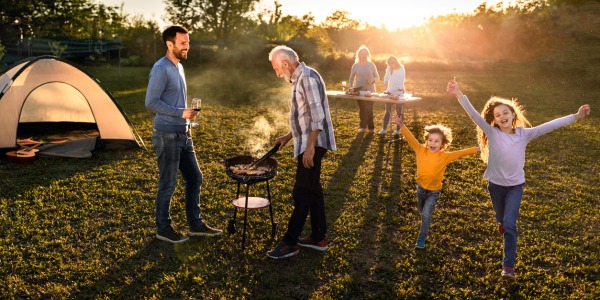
(426, 202)
(506, 201)
(388, 114)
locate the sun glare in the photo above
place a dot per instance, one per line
(380, 13)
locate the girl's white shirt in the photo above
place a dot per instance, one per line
(506, 151)
(395, 80)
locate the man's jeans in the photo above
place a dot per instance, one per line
(308, 198)
(175, 151)
(506, 201)
(427, 200)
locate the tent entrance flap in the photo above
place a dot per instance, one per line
(56, 102)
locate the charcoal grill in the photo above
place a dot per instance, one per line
(251, 203)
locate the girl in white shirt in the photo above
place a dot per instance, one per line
(502, 140)
(394, 85)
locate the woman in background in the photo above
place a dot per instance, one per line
(363, 75)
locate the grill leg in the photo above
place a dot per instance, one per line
(273, 224)
(245, 220)
(237, 195)
(231, 223)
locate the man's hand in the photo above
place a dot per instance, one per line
(189, 113)
(307, 157)
(284, 139)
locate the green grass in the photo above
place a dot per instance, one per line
(84, 228)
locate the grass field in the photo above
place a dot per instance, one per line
(84, 228)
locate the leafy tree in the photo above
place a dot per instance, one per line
(16, 19)
(268, 21)
(141, 40)
(57, 19)
(218, 19)
(345, 33)
(340, 20)
(1, 50)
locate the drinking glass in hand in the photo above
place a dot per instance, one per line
(197, 106)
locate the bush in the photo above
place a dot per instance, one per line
(1, 50)
(132, 61)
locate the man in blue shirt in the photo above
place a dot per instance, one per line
(172, 139)
(312, 130)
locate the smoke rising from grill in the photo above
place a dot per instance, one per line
(264, 131)
(237, 88)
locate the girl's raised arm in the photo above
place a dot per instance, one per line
(583, 112)
(453, 88)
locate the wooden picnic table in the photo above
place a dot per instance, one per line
(374, 97)
(381, 98)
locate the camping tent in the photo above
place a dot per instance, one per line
(49, 97)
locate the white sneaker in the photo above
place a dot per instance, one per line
(397, 133)
(382, 132)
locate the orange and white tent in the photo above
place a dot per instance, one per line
(44, 93)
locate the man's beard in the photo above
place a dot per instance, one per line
(179, 55)
(287, 75)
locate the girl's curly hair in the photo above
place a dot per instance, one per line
(442, 130)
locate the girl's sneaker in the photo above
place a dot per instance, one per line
(508, 272)
(420, 244)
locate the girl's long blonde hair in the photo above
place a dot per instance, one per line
(393, 62)
(488, 115)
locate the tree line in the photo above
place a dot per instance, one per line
(236, 31)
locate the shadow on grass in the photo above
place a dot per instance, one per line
(21, 178)
(309, 264)
(379, 241)
(346, 171)
(135, 276)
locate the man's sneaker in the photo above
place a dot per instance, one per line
(171, 236)
(283, 250)
(501, 228)
(508, 272)
(381, 132)
(420, 244)
(397, 133)
(204, 230)
(308, 242)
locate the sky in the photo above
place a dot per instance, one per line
(400, 14)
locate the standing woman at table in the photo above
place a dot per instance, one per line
(394, 86)
(363, 75)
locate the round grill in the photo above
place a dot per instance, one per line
(245, 160)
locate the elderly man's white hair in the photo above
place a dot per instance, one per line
(281, 53)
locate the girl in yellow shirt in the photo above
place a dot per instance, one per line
(431, 164)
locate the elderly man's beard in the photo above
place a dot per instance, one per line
(287, 75)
